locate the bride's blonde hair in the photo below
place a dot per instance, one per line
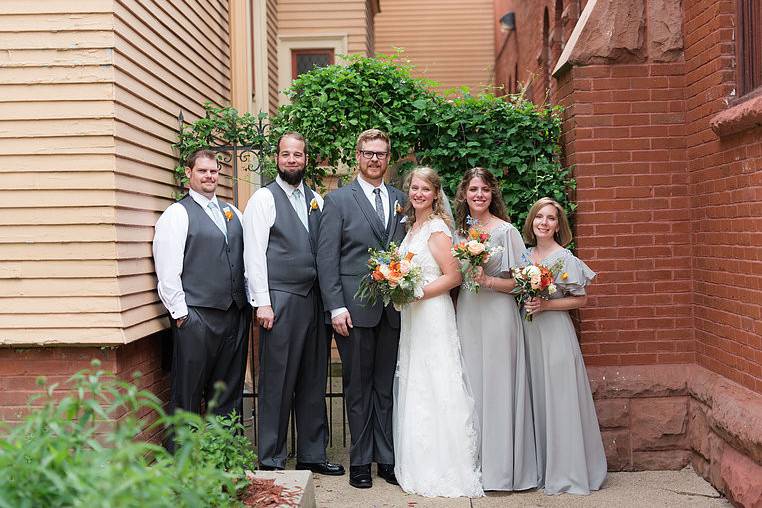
(430, 176)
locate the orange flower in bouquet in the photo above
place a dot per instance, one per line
(394, 278)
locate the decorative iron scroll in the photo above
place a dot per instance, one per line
(249, 157)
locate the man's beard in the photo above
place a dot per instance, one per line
(291, 178)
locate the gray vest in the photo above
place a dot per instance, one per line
(291, 265)
(212, 269)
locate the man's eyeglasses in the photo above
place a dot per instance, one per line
(368, 154)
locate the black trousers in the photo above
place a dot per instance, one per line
(293, 367)
(368, 361)
(210, 347)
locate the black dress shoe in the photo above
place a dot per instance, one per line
(322, 468)
(263, 467)
(386, 471)
(359, 477)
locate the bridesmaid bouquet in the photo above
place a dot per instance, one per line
(535, 281)
(473, 253)
(391, 277)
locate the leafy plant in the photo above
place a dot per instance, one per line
(514, 139)
(225, 446)
(332, 105)
(511, 137)
(85, 449)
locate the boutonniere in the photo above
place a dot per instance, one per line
(313, 205)
(397, 207)
(228, 213)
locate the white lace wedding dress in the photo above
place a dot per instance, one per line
(435, 441)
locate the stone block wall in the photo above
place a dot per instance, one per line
(669, 416)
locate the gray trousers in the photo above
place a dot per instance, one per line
(368, 362)
(211, 346)
(293, 368)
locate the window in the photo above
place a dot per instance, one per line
(304, 60)
(749, 46)
(558, 30)
(545, 56)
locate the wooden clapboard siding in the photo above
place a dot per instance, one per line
(169, 56)
(449, 41)
(302, 18)
(91, 92)
(56, 161)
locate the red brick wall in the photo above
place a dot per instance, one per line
(725, 182)
(625, 128)
(670, 214)
(20, 368)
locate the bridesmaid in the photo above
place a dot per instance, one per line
(492, 341)
(569, 448)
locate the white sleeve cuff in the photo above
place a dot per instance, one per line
(260, 299)
(181, 310)
(338, 312)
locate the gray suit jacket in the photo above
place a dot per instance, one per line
(348, 227)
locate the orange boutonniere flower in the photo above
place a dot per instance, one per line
(397, 207)
(228, 214)
(313, 204)
(564, 275)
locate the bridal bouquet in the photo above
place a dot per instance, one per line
(391, 277)
(473, 253)
(535, 281)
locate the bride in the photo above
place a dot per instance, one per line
(435, 442)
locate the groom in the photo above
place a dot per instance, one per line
(361, 215)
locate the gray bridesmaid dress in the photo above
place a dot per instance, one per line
(569, 447)
(492, 344)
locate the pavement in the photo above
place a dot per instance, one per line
(622, 490)
(637, 489)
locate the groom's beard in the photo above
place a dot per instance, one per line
(291, 177)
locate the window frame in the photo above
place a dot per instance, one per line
(749, 54)
(295, 52)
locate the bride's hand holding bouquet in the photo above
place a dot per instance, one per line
(394, 278)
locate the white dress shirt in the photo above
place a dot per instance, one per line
(169, 237)
(368, 189)
(258, 218)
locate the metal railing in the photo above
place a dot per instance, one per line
(330, 396)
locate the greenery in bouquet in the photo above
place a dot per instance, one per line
(393, 278)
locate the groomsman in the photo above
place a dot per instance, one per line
(281, 224)
(198, 255)
(363, 214)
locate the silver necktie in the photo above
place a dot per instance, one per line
(218, 219)
(379, 206)
(297, 201)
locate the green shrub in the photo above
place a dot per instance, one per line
(85, 450)
(332, 105)
(514, 139)
(511, 137)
